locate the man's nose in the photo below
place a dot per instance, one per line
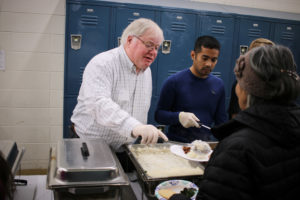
(209, 63)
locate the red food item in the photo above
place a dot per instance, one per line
(186, 149)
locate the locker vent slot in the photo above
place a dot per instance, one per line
(178, 26)
(218, 29)
(217, 74)
(171, 72)
(89, 20)
(131, 20)
(81, 70)
(287, 36)
(254, 32)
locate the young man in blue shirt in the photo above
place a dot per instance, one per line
(193, 95)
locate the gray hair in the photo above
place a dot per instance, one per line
(138, 27)
(276, 67)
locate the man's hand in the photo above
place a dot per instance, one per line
(188, 120)
(149, 134)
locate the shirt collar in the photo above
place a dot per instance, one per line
(128, 63)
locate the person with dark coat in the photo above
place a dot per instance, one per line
(258, 155)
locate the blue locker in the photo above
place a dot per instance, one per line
(180, 29)
(251, 29)
(124, 16)
(288, 35)
(90, 25)
(151, 113)
(222, 28)
(87, 34)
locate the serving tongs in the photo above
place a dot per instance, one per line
(204, 126)
(139, 139)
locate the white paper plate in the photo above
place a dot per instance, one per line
(177, 186)
(177, 150)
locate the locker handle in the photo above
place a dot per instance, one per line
(166, 47)
(75, 41)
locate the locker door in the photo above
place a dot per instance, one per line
(251, 29)
(151, 113)
(125, 16)
(222, 28)
(91, 25)
(88, 27)
(180, 30)
(288, 35)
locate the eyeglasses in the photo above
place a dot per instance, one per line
(149, 45)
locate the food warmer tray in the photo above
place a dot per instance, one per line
(149, 183)
(86, 169)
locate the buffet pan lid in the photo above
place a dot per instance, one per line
(75, 155)
(84, 162)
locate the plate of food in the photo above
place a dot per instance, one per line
(196, 151)
(167, 189)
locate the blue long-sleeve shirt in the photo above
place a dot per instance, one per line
(184, 91)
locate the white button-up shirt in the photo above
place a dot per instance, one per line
(112, 99)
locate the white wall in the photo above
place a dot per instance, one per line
(31, 86)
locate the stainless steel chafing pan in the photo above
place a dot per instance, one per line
(86, 169)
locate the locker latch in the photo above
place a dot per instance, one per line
(166, 47)
(75, 41)
(119, 41)
(243, 49)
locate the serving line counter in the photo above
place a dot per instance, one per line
(36, 189)
(89, 169)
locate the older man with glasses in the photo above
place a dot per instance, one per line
(115, 94)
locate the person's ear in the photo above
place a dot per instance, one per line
(193, 54)
(129, 39)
